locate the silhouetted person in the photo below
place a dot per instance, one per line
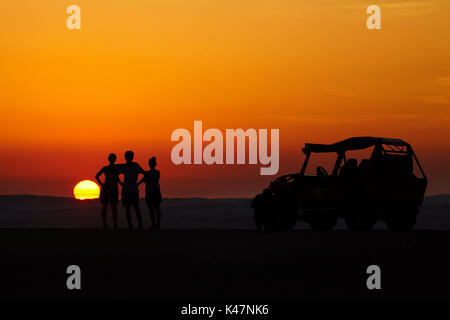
(364, 166)
(348, 170)
(130, 191)
(321, 172)
(153, 193)
(109, 192)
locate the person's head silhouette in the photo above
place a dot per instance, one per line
(129, 155)
(352, 163)
(112, 158)
(152, 163)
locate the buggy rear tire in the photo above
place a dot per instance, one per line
(402, 219)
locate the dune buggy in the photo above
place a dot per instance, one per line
(383, 185)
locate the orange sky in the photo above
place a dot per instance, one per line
(139, 69)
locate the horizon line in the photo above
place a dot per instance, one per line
(174, 197)
(97, 199)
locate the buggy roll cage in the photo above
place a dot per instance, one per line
(396, 146)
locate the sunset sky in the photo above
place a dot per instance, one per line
(139, 69)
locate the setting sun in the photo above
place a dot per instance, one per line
(86, 189)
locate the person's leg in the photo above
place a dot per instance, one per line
(128, 214)
(158, 214)
(138, 213)
(152, 214)
(114, 214)
(104, 208)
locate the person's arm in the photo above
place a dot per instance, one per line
(142, 179)
(97, 177)
(140, 171)
(119, 168)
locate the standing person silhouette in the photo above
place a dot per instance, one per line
(153, 193)
(130, 191)
(109, 192)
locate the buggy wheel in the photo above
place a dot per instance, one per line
(324, 221)
(271, 222)
(402, 219)
(287, 211)
(287, 217)
(360, 218)
(288, 224)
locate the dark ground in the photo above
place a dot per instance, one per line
(223, 264)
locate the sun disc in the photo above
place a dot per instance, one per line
(86, 189)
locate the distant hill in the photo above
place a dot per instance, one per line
(440, 198)
(28, 211)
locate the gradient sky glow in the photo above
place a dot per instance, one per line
(137, 70)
